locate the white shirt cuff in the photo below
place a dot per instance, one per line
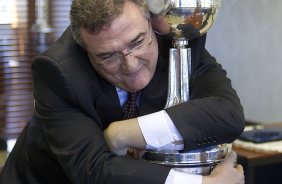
(159, 132)
(176, 177)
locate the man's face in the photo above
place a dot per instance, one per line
(125, 52)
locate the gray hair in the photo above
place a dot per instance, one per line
(94, 14)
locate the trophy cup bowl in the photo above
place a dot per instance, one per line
(188, 19)
(197, 15)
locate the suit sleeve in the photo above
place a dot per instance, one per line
(213, 115)
(75, 139)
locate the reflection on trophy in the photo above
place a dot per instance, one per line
(196, 17)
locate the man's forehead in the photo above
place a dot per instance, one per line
(104, 43)
(116, 31)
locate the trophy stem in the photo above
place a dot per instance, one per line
(179, 73)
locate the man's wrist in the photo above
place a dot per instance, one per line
(123, 134)
(114, 140)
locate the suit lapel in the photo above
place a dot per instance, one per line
(107, 104)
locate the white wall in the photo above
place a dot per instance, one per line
(247, 40)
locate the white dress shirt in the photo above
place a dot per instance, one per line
(160, 134)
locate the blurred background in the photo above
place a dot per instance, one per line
(27, 27)
(246, 39)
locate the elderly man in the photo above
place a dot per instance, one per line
(80, 132)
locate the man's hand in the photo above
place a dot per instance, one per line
(135, 152)
(159, 24)
(122, 135)
(227, 172)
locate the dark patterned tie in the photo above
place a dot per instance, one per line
(130, 106)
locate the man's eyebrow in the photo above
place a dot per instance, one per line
(101, 54)
(137, 37)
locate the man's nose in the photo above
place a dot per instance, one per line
(130, 62)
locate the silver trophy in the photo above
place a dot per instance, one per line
(195, 17)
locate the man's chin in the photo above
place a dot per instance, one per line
(136, 87)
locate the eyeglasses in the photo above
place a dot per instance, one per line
(137, 48)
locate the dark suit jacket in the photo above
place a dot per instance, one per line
(63, 143)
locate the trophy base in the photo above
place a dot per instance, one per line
(203, 170)
(199, 162)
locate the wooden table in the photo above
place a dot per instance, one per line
(261, 168)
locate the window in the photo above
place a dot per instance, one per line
(16, 100)
(59, 16)
(19, 43)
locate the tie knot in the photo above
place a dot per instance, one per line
(132, 96)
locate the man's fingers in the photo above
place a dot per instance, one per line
(240, 169)
(159, 24)
(157, 6)
(231, 158)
